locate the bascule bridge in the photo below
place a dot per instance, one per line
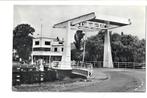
(90, 23)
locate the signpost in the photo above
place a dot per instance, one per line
(89, 26)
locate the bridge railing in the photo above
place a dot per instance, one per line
(83, 65)
(79, 67)
(83, 68)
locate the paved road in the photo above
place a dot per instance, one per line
(119, 81)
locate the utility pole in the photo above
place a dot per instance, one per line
(84, 48)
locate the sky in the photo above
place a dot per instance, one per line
(48, 15)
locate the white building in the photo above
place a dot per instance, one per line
(47, 49)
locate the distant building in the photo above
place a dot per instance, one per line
(47, 49)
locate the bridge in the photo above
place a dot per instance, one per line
(78, 68)
(88, 23)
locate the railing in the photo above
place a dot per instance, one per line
(131, 65)
(98, 64)
(82, 65)
(82, 68)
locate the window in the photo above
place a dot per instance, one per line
(62, 49)
(47, 43)
(60, 42)
(55, 49)
(36, 42)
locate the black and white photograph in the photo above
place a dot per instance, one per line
(78, 48)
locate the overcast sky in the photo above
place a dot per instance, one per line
(49, 15)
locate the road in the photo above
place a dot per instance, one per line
(119, 80)
(104, 80)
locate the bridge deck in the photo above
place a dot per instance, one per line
(82, 71)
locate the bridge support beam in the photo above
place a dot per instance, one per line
(107, 61)
(66, 57)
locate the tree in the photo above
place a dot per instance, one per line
(125, 48)
(76, 54)
(94, 47)
(78, 37)
(22, 40)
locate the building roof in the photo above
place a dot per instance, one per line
(43, 37)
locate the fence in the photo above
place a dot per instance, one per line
(131, 65)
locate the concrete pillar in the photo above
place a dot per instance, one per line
(107, 62)
(66, 57)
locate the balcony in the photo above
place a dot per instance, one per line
(47, 53)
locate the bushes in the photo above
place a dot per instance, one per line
(30, 75)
